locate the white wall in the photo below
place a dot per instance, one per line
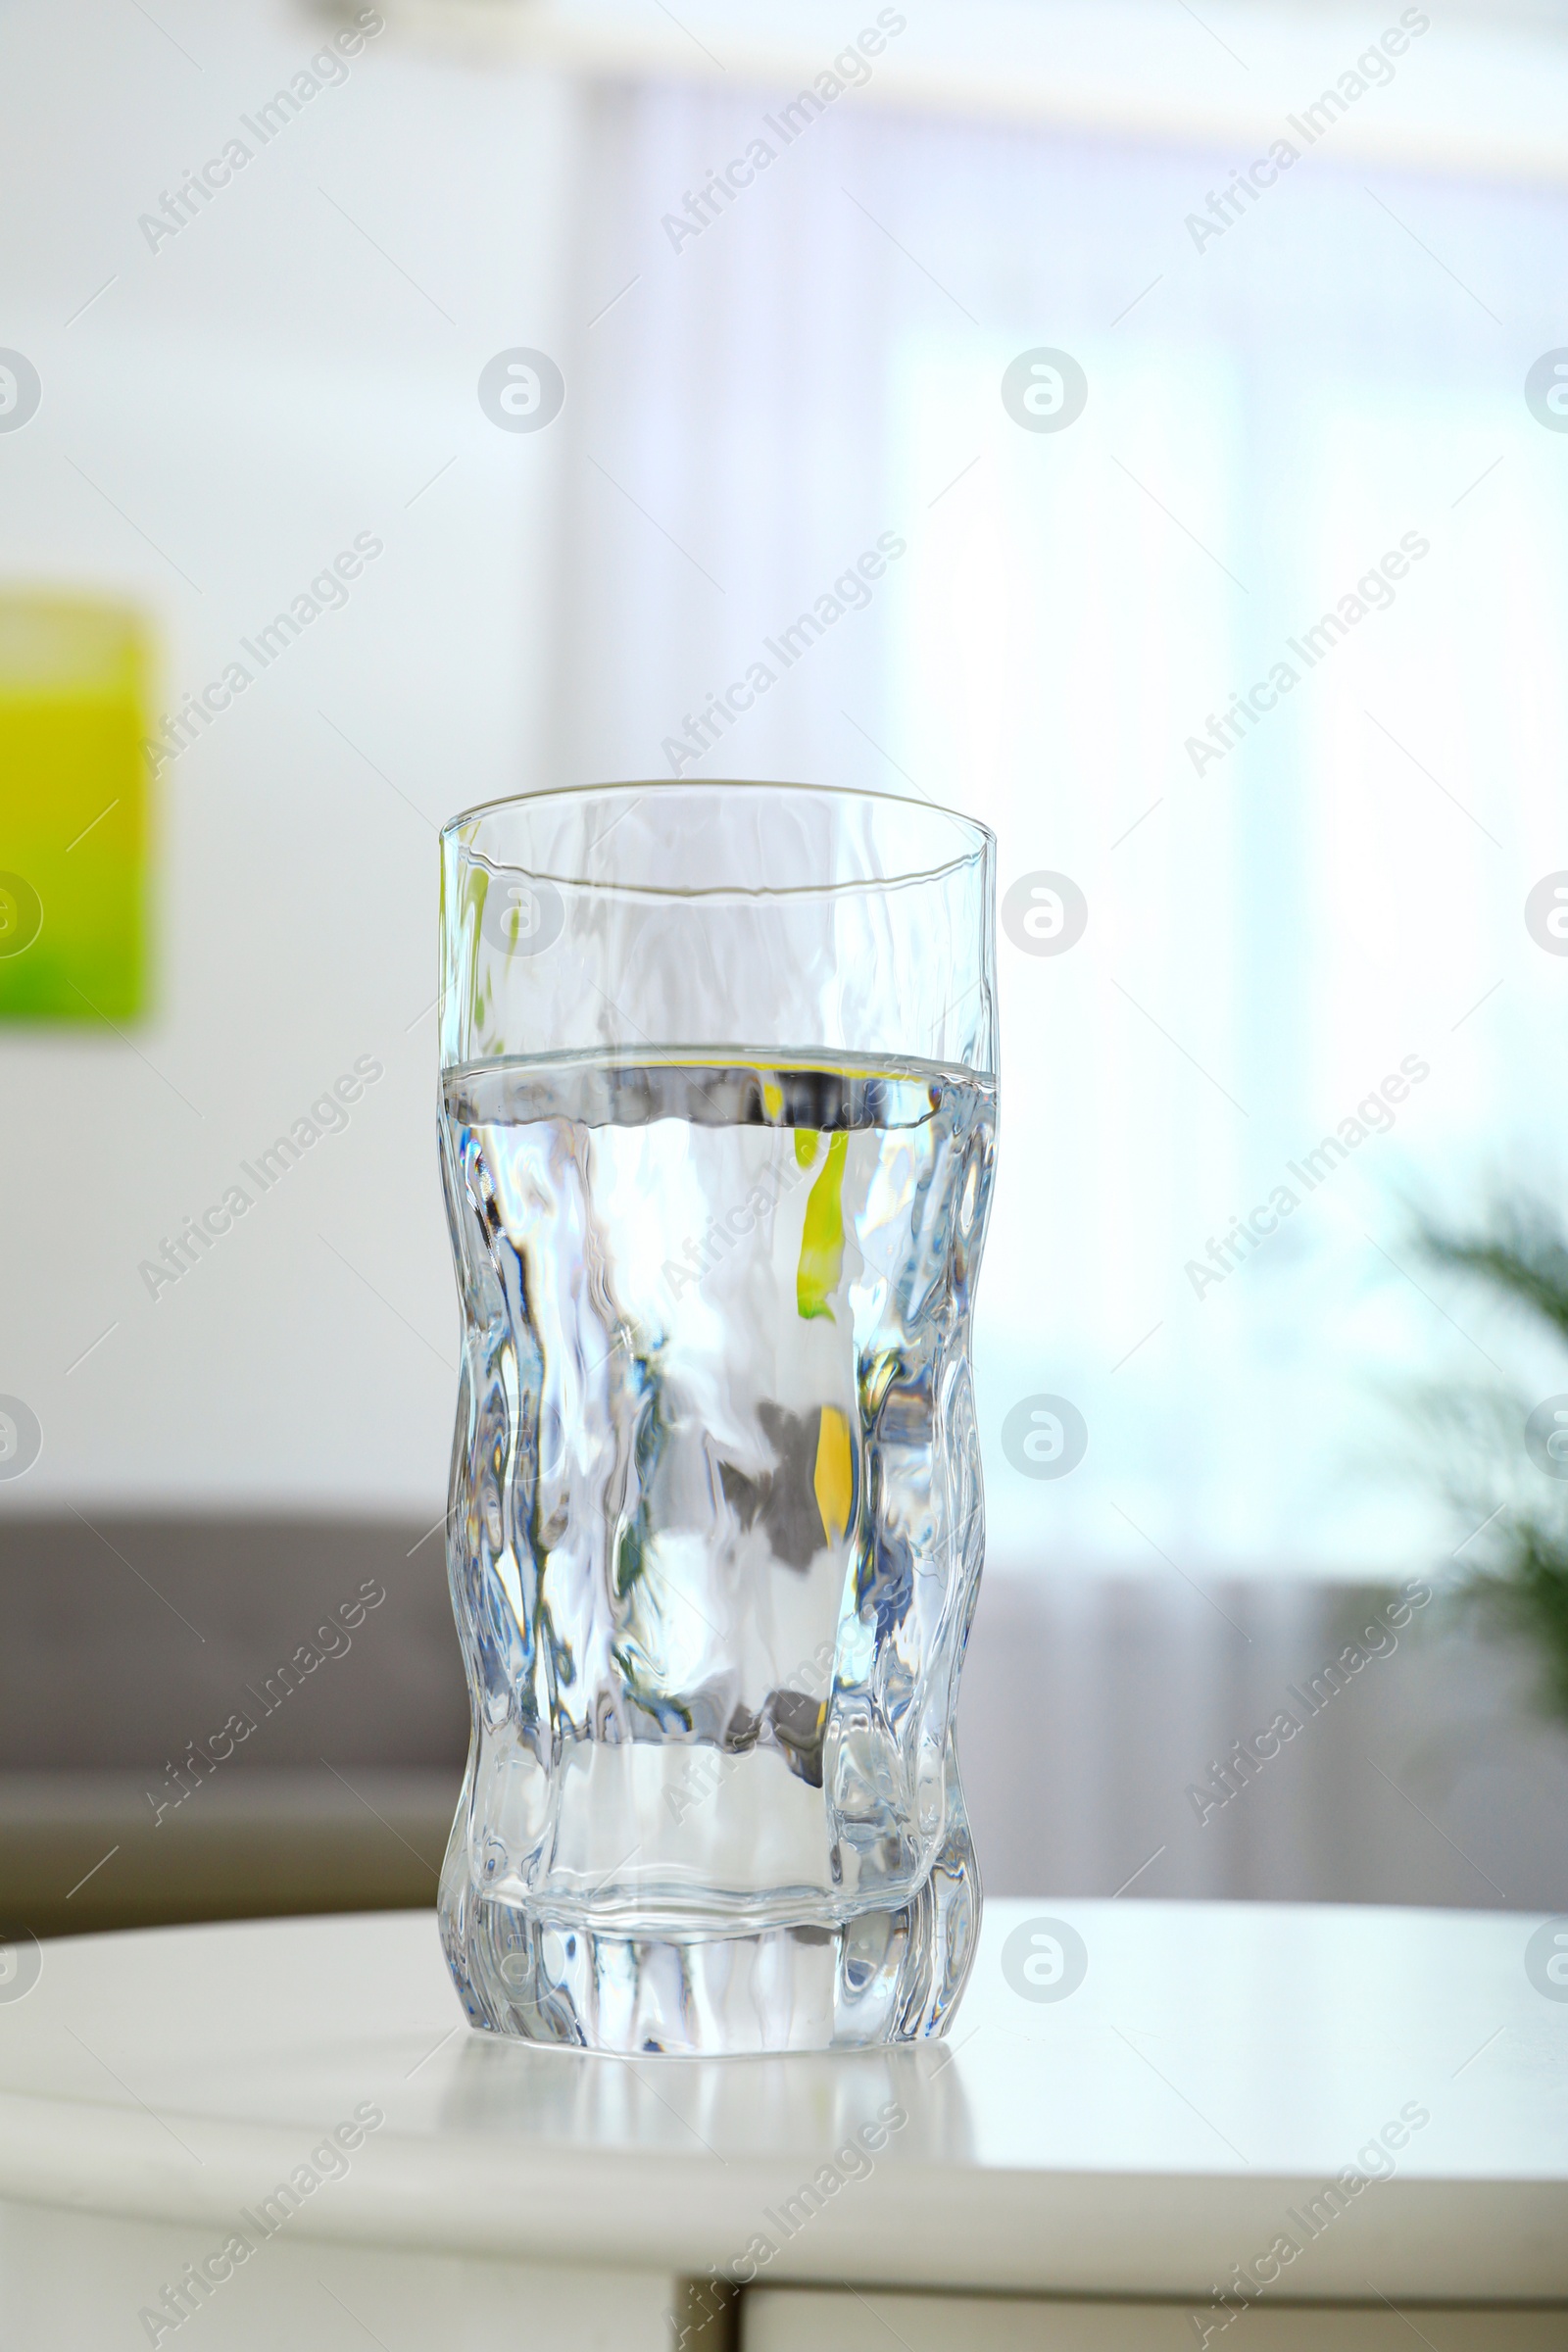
(251, 395)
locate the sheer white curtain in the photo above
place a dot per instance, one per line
(1334, 901)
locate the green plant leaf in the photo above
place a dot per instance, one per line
(1515, 1577)
(1525, 1257)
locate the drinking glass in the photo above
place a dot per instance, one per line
(717, 1121)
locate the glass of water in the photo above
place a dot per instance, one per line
(717, 1123)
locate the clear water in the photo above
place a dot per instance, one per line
(716, 1521)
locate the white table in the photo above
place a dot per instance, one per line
(1076, 2173)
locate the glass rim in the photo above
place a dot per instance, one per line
(981, 837)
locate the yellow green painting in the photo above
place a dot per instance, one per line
(74, 810)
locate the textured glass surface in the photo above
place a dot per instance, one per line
(716, 1522)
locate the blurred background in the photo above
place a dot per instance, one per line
(407, 405)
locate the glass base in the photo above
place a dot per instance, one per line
(878, 1978)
